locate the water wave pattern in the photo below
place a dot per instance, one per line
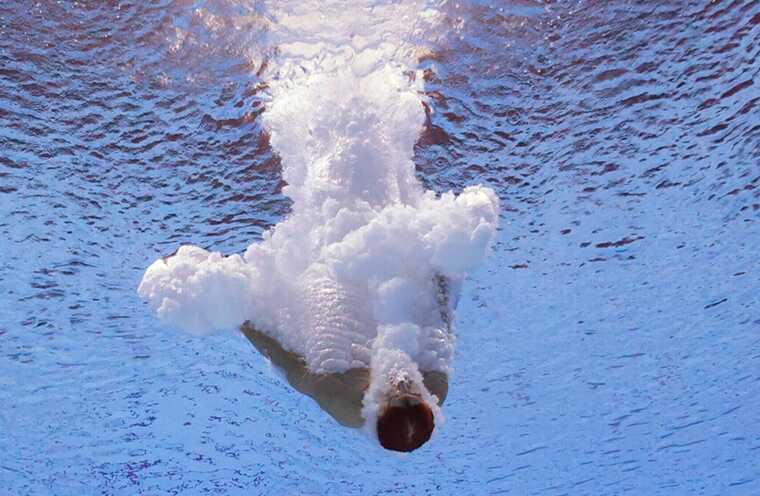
(612, 336)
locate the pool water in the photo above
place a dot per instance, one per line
(609, 345)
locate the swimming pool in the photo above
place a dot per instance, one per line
(609, 345)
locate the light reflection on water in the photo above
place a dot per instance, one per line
(611, 345)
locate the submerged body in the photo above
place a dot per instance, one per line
(404, 417)
(344, 294)
(340, 394)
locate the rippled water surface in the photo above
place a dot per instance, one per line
(611, 344)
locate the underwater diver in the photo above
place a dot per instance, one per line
(405, 419)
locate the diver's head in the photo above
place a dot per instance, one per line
(405, 424)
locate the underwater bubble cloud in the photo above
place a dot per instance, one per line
(347, 279)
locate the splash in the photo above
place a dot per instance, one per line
(348, 279)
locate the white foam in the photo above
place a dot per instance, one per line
(392, 366)
(198, 290)
(347, 279)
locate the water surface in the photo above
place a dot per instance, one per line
(611, 344)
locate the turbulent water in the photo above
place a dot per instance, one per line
(349, 279)
(610, 345)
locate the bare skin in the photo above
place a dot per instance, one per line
(339, 394)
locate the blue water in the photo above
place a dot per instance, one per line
(611, 345)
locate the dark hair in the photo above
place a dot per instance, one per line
(405, 427)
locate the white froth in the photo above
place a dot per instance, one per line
(390, 367)
(348, 278)
(199, 290)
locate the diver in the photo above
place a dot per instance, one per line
(405, 419)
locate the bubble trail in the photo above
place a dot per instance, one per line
(348, 278)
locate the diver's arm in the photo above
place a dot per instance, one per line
(447, 296)
(339, 394)
(292, 364)
(437, 383)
